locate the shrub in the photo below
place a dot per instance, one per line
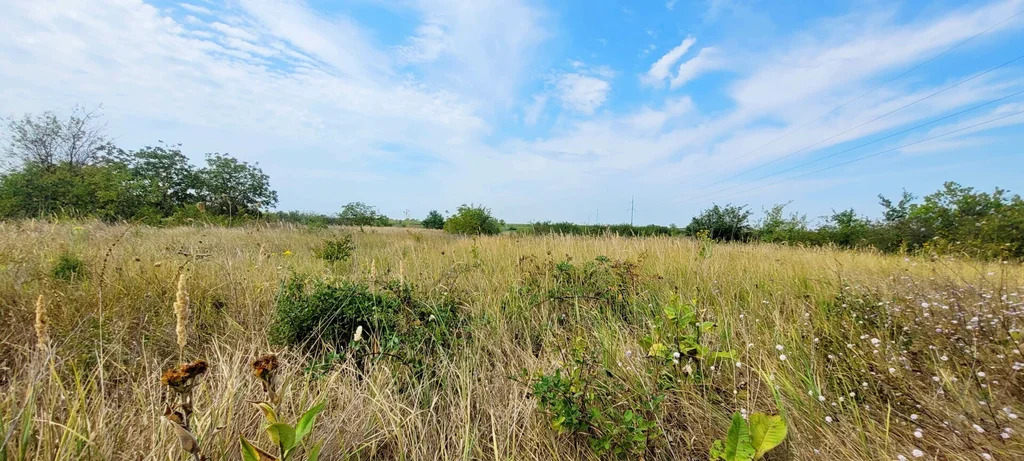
(336, 250)
(472, 220)
(314, 313)
(69, 268)
(434, 220)
(585, 400)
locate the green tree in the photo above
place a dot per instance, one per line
(167, 179)
(472, 220)
(103, 191)
(727, 222)
(232, 187)
(434, 220)
(361, 214)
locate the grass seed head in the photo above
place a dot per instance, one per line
(181, 312)
(42, 324)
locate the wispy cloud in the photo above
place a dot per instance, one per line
(306, 90)
(582, 93)
(662, 68)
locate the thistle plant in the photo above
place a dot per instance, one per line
(287, 438)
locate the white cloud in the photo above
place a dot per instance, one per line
(329, 105)
(582, 93)
(482, 49)
(663, 66)
(195, 8)
(235, 32)
(705, 60)
(670, 4)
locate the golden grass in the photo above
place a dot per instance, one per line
(98, 395)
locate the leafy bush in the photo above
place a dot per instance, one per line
(680, 342)
(69, 267)
(315, 313)
(472, 220)
(584, 400)
(336, 250)
(434, 220)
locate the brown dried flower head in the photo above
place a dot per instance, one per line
(264, 367)
(181, 378)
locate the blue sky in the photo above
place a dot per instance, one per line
(546, 110)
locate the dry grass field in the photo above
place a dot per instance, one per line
(866, 356)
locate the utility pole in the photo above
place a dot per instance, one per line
(631, 209)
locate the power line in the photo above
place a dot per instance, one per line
(793, 130)
(904, 131)
(883, 152)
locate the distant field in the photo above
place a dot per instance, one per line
(866, 356)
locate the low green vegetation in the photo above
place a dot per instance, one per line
(473, 220)
(68, 267)
(336, 250)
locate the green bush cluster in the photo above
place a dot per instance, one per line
(317, 314)
(68, 268)
(336, 250)
(473, 220)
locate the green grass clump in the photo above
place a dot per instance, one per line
(69, 268)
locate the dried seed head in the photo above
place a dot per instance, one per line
(182, 378)
(264, 367)
(181, 312)
(42, 324)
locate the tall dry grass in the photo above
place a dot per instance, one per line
(884, 354)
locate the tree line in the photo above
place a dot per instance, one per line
(68, 167)
(954, 219)
(55, 166)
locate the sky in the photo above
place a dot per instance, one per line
(561, 110)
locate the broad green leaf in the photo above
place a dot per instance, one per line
(737, 444)
(306, 422)
(251, 452)
(314, 452)
(268, 411)
(766, 432)
(283, 435)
